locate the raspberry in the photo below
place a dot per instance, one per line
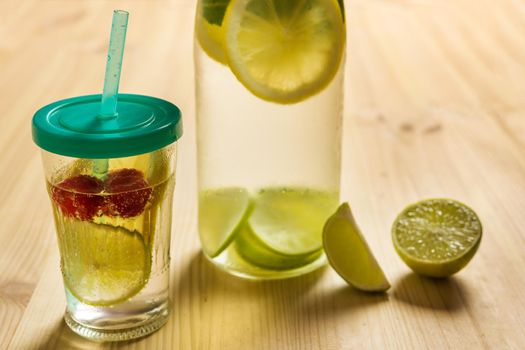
(128, 192)
(78, 196)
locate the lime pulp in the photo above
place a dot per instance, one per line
(437, 237)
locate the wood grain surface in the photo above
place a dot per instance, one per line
(435, 107)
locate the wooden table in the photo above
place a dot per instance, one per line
(435, 107)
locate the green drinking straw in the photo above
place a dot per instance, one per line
(117, 39)
(108, 106)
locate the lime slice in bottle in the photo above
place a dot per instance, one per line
(208, 28)
(349, 254)
(221, 213)
(252, 249)
(102, 265)
(437, 237)
(285, 227)
(284, 50)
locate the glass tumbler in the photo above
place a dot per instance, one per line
(111, 183)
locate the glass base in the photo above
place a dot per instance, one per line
(157, 319)
(230, 262)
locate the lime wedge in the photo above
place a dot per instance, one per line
(256, 252)
(349, 254)
(284, 50)
(102, 265)
(437, 237)
(221, 213)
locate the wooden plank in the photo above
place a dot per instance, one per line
(435, 107)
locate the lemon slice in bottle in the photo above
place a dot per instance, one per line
(437, 237)
(221, 213)
(284, 50)
(102, 265)
(208, 27)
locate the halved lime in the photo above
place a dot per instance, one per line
(285, 227)
(284, 50)
(349, 254)
(102, 265)
(221, 213)
(437, 237)
(208, 28)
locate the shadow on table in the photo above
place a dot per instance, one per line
(212, 307)
(201, 290)
(265, 309)
(431, 293)
(63, 338)
(200, 276)
(343, 300)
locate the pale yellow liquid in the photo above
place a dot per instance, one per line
(146, 309)
(260, 247)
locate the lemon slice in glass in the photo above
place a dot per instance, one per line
(437, 237)
(349, 254)
(102, 265)
(221, 213)
(284, 50)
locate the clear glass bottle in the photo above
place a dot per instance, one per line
(269, 148)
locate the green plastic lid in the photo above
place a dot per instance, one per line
(73, 127)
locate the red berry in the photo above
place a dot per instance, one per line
(78, 196)
(128, 193)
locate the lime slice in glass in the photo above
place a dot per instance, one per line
(221, 213)
(102, 265)
(285, 227)
(133, 224)
(349, 254)
(284, 50)
(437, 237)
